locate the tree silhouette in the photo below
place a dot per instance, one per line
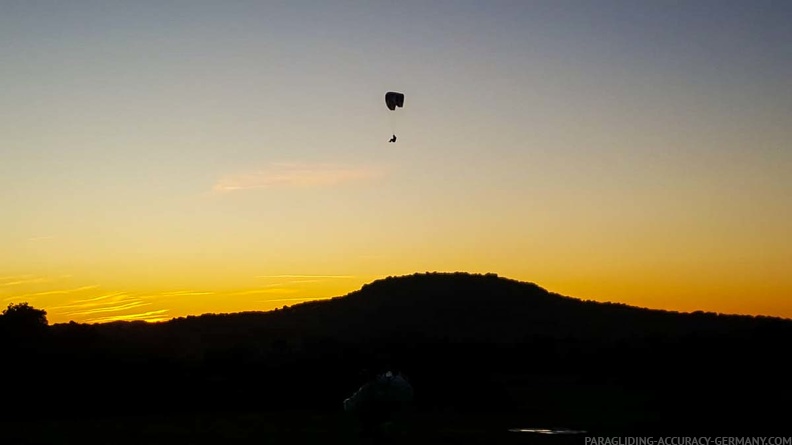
(23, 320)
(23, 345)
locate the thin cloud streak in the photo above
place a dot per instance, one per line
(16, 280)
(151, 316)
(290, 282)
(306, 276)
(115, 308)
(95, 301)
(40, 238)
(296, 299)
(60, 291)
(275, 290)
(113, 302)
(21, 279)
(180, 293)
(14, 277)
(297, 175)
(110, 307)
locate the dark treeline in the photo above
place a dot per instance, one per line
(467, 342)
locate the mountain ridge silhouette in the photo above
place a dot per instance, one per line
(467, 341)
(487, 306)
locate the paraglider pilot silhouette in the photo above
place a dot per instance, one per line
(392, 101)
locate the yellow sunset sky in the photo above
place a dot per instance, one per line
(165, 159)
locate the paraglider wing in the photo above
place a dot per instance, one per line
(394, 99)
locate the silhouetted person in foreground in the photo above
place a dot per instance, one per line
(393, 139)
(378, 404)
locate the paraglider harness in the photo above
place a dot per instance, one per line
(393, 139)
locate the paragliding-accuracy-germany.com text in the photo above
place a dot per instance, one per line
(691, 440)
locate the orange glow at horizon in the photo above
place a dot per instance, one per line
(171, 160)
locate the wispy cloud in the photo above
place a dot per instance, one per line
(13, 280)
(297, 175)
(267, 290)
(22, 279)
(113, 308)
(40, 238)
(110, 307)
(151, 316)
(288, 281)
(59, 291)
(306, 276)
(180, 293)
(85, 304)
(296, 299)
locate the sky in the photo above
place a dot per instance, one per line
(161, 159)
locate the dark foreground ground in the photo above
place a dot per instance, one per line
(274, 428)
(293, 427)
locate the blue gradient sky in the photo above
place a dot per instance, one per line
(160, 159)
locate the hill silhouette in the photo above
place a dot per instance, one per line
(468, 342)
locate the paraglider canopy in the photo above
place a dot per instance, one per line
(394, 99)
